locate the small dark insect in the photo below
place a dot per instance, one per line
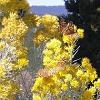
(21, 12)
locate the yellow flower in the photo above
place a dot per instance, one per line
(55, 91)
(74, 83)
(79, 73)
(68, 78)
(69, 39)
(66, 39)
(46, 60)
(36, 97)
(38, 82)
(2, 72)
(8, 90)
(55, 78)
(64, 87)
(48, 20)
(80, 32)
(97, 83)
(47, 52)
(22, 62)
(92, 90)
(85, 62)
(93, 76)
(54, 43)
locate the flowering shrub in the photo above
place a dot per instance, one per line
(61, 77)
(13, 53)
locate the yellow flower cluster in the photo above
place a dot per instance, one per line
(8, 90)
(2, 72)
(36, 97)
(12, 50)
(48, 20)
(13, 28)
(4, 1)
(97, 83)
(47, 28)
(53, 53)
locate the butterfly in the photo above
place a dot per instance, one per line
(47, 72)
(66, 28)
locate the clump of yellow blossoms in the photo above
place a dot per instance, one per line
(61, 78)
(8, 90)
(12, 45)
(47, 28)
(53, 53)
(13, 28)
(48, 20)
